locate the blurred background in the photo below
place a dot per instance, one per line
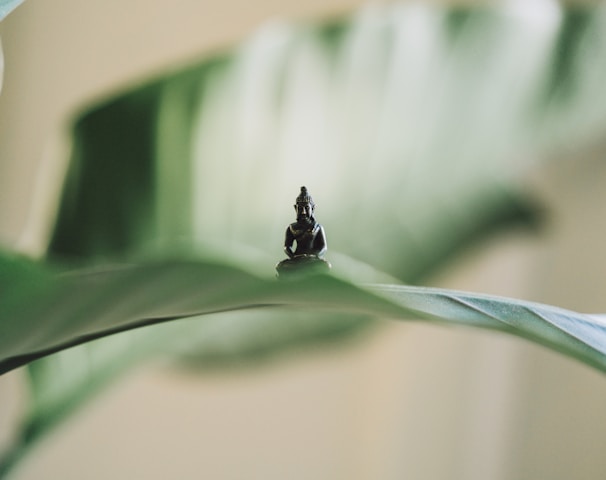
(445, 129)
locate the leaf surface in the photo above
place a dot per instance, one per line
(7, 6)
(84, 306)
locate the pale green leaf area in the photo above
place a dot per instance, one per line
(412, 126)
(125, 297)
(404, 121)
(7, 6)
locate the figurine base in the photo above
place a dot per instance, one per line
(302, 265)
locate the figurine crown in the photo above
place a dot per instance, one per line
(304, 198)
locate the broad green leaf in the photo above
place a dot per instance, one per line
(400, 120)
(21, 280)
(122, 298)
(84, 306)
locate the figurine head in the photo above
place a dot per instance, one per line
(304, 205)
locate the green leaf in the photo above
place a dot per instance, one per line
(21, 280)
(7, 6)
(89, 305)
(83, 306)
(411, 145)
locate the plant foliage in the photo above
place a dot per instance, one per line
(411, 125)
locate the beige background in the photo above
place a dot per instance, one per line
(411, 401)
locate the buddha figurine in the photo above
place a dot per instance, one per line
(309, 237)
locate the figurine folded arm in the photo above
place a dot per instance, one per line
(316, 246)
(320, 246)
(288, 243)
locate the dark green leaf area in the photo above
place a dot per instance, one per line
(575, 36)
(23, 283)
(102, 196)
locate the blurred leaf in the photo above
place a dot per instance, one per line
(7, 6)
(398, 127)
(21, 280)
(89, 305)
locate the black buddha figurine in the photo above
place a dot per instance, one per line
(309, 237)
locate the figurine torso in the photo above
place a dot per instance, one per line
(309, 237)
